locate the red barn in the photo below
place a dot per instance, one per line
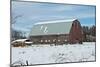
(57, 32)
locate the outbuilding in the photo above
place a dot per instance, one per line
(57, 32)
(21, 42)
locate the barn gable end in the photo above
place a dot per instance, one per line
(76, 34)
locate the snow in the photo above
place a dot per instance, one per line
(44, 54)
(55, 21)
(19, 40)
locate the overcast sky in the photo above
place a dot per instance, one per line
(33, 12)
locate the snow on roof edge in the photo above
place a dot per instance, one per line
(56, 21)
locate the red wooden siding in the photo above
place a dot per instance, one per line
(75, 35)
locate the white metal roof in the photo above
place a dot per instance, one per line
(52, 27)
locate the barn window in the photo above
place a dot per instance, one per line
(54, 40)
(72, 24)
(48, 40)
(65, 40)
(41, 40)
(58, 40)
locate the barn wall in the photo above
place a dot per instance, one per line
(50, 39)
(75, 33)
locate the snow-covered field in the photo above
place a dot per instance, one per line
(44, 54)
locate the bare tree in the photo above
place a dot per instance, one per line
(14, 19)
(16, 34)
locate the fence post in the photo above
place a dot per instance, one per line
(26, 62)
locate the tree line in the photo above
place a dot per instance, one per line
(89, 33)
(16, 34)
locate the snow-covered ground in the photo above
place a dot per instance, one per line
(44, 54)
